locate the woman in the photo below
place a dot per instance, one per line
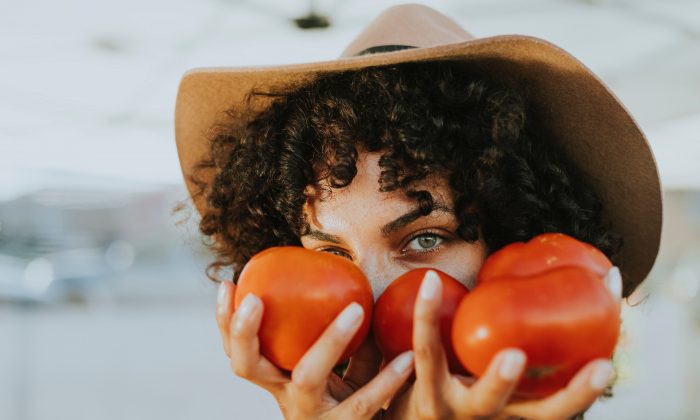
(430, 149)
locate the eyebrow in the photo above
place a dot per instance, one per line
(388, 229)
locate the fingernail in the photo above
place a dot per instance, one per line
(601, 376)
(511, 365)
(403, 362)
(245, 309)
(221, 297)
(349, 317)
(429, 286)
(614, 282)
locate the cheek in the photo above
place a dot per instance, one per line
(463, 262)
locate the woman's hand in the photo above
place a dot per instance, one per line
(438, 394)
(313, 391)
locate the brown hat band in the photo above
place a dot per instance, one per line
(383, 49)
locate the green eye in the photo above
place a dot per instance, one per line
(425, 242)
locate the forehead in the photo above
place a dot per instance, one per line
(363, 198)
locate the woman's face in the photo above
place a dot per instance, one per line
(378, 232)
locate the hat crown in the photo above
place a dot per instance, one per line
(406, 26)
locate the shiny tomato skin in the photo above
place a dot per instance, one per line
(302, 292)
(541, 253)
(561, 319)
(393, 314)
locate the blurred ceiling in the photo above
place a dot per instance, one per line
(87, 88)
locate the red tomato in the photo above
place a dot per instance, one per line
(561, 319)
(302, 292)
(393, 314)
(542, 253)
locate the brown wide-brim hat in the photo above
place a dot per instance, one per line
(591, 125)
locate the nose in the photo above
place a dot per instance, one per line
(380, 271)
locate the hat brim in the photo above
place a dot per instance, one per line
(591, 125)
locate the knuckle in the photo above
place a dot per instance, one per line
(243, 370)
(484, 410)
(425, 316)
(428, 410)
(555, 416)
(424, 351)
(359, 408)
(549, 415)
(301, 384)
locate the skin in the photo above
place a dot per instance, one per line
(353, 223)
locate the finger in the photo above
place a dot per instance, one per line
(224, 310)
(465, 380)
(491, 391)
(613, 279)
(581, 392)
(364, 364)
(246, 360)
(369, 399)
(311, 373)
(431, 363)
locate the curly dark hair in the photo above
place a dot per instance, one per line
(507, 176)
(509, 179)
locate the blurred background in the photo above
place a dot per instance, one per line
(105, 312)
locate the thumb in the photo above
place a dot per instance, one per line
(364, 364)
(224, 312)
(613, 280)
